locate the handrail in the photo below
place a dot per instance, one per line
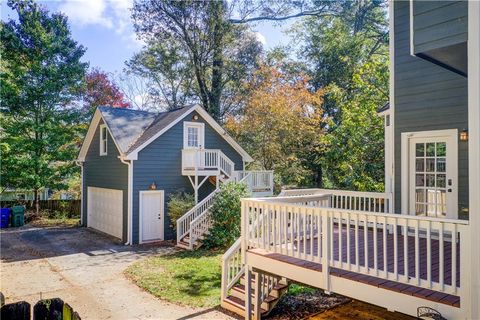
(233, 267)
(207, 159)
(183, 223)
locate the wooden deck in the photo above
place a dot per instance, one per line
(343, 255)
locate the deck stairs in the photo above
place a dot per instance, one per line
(235, 301)
(270, 288)
(193, 226)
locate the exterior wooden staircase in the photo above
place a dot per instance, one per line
(265, 288)
(235, 301)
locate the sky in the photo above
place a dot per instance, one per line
(105, 29)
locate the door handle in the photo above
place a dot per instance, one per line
(449, 190)
(449, 182)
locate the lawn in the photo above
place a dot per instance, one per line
(190, 278)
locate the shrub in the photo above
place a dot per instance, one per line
(178, 204)
(226, 211)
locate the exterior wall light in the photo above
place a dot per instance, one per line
(195, 117)
(464, 135)
(153, 186)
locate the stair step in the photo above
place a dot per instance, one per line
(240, 303)
(240, 289)
(279, 286)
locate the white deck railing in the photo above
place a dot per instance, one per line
(349, 200)
(207, 160)
(418, 251)
(257, 180)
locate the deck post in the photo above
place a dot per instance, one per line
(325, 250)
(257, 295)
(248, 290)
(469, 272)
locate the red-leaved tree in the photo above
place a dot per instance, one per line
(101, 91)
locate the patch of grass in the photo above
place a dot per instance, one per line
(296, 289)
(49, 222)
(191, 278)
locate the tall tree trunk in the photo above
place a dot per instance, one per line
(319, 177)
(37, 202)
(217, 63)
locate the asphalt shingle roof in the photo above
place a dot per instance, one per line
(131, 128)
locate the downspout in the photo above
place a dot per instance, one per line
(80, 164)
(129, 198)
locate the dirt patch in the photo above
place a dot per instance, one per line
(359, 311)
(305, 304)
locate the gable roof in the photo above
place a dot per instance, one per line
(133, 130)
(160, 122)
(126, 125)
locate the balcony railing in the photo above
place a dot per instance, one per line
(206, 160)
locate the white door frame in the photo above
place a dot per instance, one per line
(452, 136)
(140, 215)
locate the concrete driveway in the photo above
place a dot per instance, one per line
(84, 269)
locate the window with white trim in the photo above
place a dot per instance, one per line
(103, 140)
(193, 135)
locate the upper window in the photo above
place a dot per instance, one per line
(193, 134)
(103, 140)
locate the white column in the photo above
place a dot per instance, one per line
(473, 276)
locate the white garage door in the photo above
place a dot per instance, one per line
(105, 210)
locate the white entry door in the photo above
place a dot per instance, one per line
(151, 215)
(105, 210)
(433, 183)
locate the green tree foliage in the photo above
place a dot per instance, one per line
(178, 204)
(226, 215)
(207, 48)
(347, 56)
(41, 74)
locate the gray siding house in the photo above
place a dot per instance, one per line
(414, 248)
(133, 160)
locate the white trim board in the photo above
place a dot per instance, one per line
(133, 155)
(405, 161)
(97, 116)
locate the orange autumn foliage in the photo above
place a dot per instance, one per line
(282, 118)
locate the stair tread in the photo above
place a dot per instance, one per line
(278, 286)
(241, 288)
(240, 303)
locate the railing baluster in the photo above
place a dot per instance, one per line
(405, 250)
(417, 254)
(385, 234)
(441, 276)
(357, 245)
(348, 242)
(429, 255)
(365, 242)
(395, 248)
(340, 245)
(375, 246)
(454, 259)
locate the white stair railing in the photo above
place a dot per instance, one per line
(233, 267)
(226, 165)
(184, 222)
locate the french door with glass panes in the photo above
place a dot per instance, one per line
(432, 175)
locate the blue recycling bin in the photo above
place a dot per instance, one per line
(4, 217)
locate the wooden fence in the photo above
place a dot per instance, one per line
(73, 207)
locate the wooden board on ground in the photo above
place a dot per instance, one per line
(359, 311)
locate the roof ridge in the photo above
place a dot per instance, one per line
(151, 124)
